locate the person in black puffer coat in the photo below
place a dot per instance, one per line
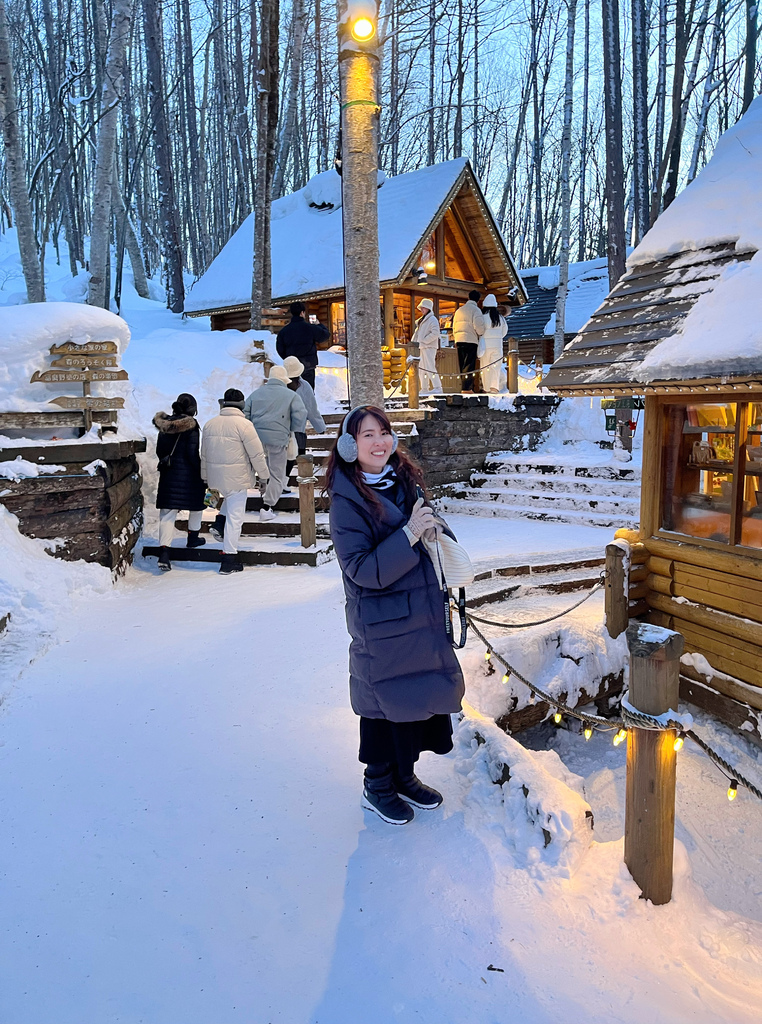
(180, 483)
(300, 338)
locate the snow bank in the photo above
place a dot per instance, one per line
(563, 658)
(20, 469)
(539, 803)
(28, 331)
(37, 590)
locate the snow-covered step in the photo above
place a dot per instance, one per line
(555, 484)
(547, 501)
(552, 579)
(560, 467)
(263, 551)
(557, 515)
(286, 524)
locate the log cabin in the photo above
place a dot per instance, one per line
(683, 329)
(438, 239)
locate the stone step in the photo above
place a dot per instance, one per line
(557, 515)
(283, 526)
(254, 504)
(549, 467)
(538, 500)
(321, 553)
(552, 577)
(556, 484)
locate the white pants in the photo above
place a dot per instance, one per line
(427, 369)
(167, 518)
(491, 374)
(276, 463)
(234, 509)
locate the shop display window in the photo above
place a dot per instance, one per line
(712, 472)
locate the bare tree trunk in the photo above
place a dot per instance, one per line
(460, 73)
(583, 148)
(612, 96)
(359, 128)
(125, 231)
(267, 122)
(641, 204)
(661, 96)
(750, 52)
(288, 130)
(475, 148)
(710, 87)
(674, 142)
(165, 180)
(100, 249)
(322, 132)
(563, 270)
(431, 151)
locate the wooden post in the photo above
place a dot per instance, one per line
(616, 601)
(513, 365)
(388, 295)
(413, 383)
(307, 481)
(649, 818)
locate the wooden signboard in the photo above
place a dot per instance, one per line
(87, 402)
(81, 361)
(65, 376)
(105, 348)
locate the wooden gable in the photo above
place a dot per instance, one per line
(647, 305)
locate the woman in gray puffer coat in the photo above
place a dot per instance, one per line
(405, 680)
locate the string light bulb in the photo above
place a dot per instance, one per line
(487, 655)
(506, 678)
(733, 789)
(679, 741)
(588, 731)
(558, 718)
(620, 737)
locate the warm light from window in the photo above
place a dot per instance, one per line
(430, 265)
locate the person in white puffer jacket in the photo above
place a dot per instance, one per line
(426, 336)
(231, 454)
(490, 349)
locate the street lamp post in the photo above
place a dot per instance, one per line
(358, 76)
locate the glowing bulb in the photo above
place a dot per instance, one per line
(430, 265)
(732, 789)
(588, 731)
(620, 737)
(487, 655)
(678, 744)
(363, 29)
(558, 718)
(506, 677)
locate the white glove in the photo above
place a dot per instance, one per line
(421, 519)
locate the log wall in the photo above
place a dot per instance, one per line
(97, 515)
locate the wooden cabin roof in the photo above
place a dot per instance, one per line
(645, 307)
(307, 239)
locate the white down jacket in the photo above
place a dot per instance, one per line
(426, 332)
(468, 324)
(231, 453)
(492, 338)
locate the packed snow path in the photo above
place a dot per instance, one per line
(183, 842)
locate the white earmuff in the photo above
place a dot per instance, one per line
(346, 445)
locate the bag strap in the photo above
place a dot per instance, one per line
(446, 598)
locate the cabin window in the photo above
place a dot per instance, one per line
(712, 472)
(428, 258)
(338, 324)
(460, 262)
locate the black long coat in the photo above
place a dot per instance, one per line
(300, 338)
(180, 484)
(401, 664)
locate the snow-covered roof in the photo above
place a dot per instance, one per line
(690, 305)
(306, 237)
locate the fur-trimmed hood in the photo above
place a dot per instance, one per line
(167, 424)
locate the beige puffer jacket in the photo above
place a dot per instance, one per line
(231, 453)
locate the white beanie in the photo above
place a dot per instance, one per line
(278, 373)
(489, 301)
(426, 304)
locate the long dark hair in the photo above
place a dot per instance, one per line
(408, 473)
(494, 315)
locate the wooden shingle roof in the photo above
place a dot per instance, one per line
(647, 305)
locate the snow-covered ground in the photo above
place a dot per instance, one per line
(183, 838)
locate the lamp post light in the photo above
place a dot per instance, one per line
(358, 77)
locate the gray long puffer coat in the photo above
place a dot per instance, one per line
(401, 664)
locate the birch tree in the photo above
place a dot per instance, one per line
(16, 169)
(563, 270)
(612, 97)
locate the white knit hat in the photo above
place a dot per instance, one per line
(426, 304)
(489, 301)
(278, 373)
(293, 366)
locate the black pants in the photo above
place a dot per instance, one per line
(467, 363)
(309, 375)
(301, 443)
(400, 743)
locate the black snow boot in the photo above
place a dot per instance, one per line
(230, 563)
(164, 563)
(410, 788)
(217, 529)
(379, 795)
(194, 541)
